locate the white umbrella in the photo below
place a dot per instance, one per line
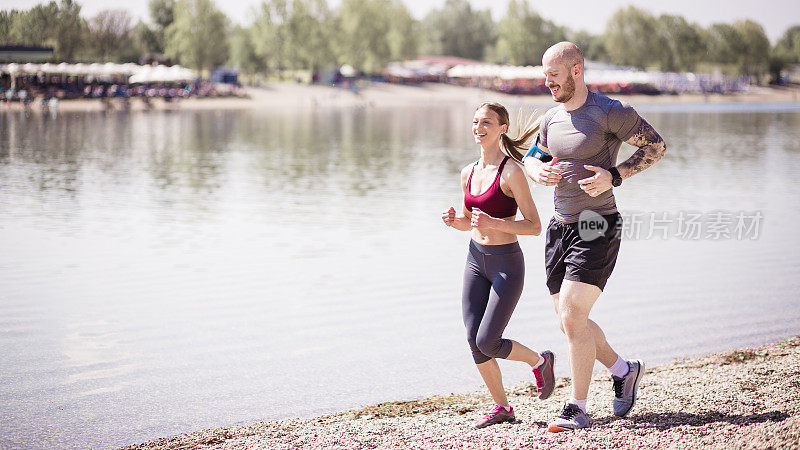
(30, 68)
(79, 69)
(141, 75)
(95, 69)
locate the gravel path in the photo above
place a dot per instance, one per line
(741, 399)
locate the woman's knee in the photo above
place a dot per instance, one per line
(490, 345)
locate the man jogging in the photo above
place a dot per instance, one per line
(583, 135)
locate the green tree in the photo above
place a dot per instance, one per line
(110, 33)
(725, 43)
(146, 39)
(68, 30)
(592, 45)
(268, 34)
(631, 38)
(683, 45)
(35, 26)
(788, 46)
(785, 52)
(457, 30)
(308, 34)
(523, 35)
(198, 36)
(403, 34)
(162, 14)
(58, 25)
(7, 19)
(363, 41)
(754, 60)
(243, 54)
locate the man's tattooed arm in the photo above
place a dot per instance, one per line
(651, 149)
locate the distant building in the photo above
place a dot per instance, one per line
(24, 54)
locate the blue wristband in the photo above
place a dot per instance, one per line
(537, 153)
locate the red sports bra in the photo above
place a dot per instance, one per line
(494, 201)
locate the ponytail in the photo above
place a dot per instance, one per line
(515, 148)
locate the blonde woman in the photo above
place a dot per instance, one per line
(494, 188)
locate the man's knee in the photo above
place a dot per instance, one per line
(573, 323)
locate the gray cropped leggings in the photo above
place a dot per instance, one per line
(493, 281)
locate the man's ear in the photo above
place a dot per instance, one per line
(577, 69)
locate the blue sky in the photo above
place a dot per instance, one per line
(591, 15)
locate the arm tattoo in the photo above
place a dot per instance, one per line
(651, 149)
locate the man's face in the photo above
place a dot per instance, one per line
(558, 78)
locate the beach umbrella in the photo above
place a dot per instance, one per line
(130, 68)
(30, 68)
(109, 69)
(12, 68)
(79, 69)
(141, 75)
(95, 69)
(178, 73)
(62, 68)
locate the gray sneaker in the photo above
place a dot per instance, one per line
(572, 418)
(545, 381)
(497, 415)
(625, 388)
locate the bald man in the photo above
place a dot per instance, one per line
(583, 135)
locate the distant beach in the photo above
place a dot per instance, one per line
(748, 398)
(387, 95)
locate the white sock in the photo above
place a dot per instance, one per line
(538, 364)
(620, 368)
(507, 408)
(579, 403)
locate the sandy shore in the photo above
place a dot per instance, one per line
(382, 95)
(746, 398)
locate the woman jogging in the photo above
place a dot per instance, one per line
(493, 189)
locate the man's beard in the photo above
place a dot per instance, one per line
(567, 91)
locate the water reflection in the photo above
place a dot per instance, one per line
(164, 272)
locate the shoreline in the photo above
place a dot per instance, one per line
(746, 398)
(383, 95)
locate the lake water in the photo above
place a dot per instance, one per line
(166, 272)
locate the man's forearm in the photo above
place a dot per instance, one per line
(651, 149)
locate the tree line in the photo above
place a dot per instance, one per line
(308, 35)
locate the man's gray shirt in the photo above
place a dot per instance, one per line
(590, 135)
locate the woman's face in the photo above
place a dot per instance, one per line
(486, 128)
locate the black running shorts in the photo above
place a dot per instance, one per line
(567, 255)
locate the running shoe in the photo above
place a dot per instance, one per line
(625, 388)
(498, 414)
(572, 418)
(545, 381)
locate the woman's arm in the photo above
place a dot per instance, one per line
(451, 219)
(530, 225)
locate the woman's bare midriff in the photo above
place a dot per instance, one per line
(493, 237)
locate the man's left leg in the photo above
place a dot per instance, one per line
(587, 342)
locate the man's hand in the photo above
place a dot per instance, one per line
(481, 220)
(543, 173)
(597, 184)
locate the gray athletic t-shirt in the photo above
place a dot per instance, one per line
(592, 135)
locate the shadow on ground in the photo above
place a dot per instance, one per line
(665, 421)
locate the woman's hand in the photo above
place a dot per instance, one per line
(481, 220)
(449, 216)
